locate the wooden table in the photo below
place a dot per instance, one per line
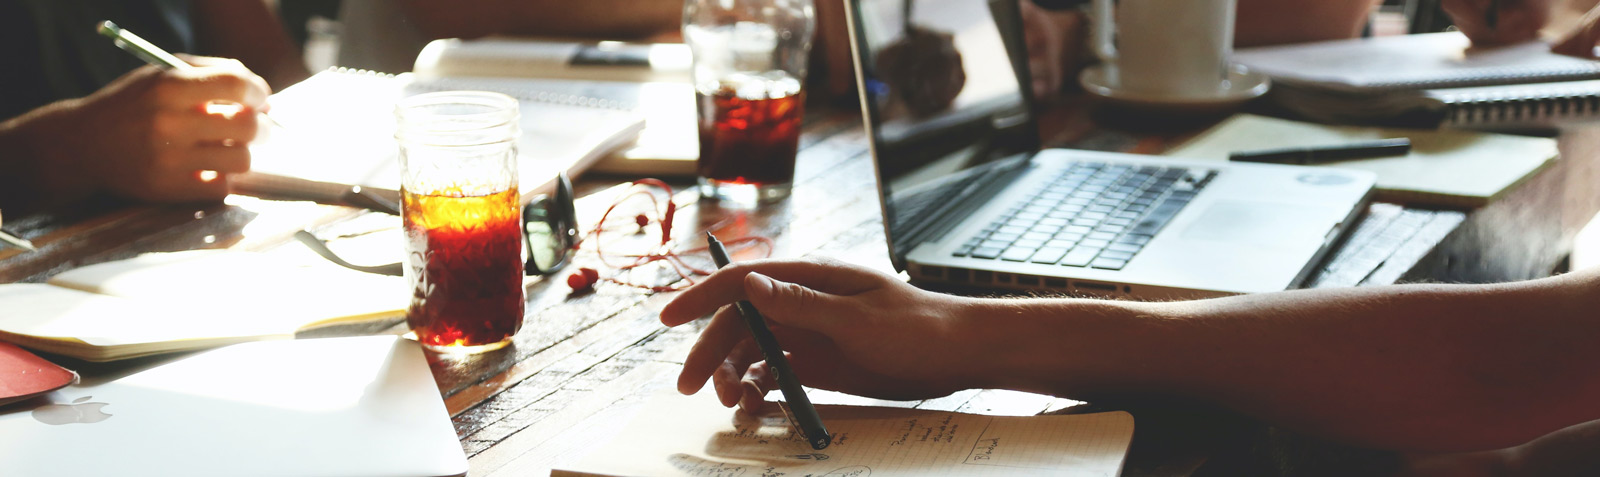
(583, 362)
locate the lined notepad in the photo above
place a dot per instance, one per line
(1455, 169)
(696, 436)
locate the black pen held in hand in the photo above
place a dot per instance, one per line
(1318, 155)
(804, 414)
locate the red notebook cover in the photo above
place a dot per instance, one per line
(23, 375)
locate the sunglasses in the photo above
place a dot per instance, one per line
(549, 233)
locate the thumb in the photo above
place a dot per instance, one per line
(793, 305)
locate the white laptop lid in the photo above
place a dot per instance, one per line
(338, 406)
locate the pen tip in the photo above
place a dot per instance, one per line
(710, 237)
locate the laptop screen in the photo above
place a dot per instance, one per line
(944, 106)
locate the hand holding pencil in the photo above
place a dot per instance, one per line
(158, 133)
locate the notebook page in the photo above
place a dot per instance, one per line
(1445, 168)
(291, 286)
(54, 313)
(695, 435)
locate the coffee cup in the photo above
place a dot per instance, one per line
(1167, 48)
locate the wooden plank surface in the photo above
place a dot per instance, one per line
(583, 362)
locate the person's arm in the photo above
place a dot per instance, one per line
(620, 19)
(249, 30)
(145, 136)
(1414, 367)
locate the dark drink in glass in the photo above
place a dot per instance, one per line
(464, 268)
(749, 133)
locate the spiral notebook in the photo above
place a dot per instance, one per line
(1429, 80)
(338, 131)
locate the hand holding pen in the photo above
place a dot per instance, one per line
(843, 327)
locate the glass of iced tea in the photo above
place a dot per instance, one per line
(749, 71)
(459, 204)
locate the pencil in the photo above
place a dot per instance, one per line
(17, 242)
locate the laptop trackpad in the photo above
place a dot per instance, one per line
(1263, 224)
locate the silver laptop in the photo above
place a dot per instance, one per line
(338, 406)
(968, 199)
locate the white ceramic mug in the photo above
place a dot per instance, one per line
(1176, 48)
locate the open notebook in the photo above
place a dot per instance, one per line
(165, 302)
(339, 129)
(696, 436)
(1429, 80)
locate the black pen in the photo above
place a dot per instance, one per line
(1492, 17)
(1318, 155)
(805, 415)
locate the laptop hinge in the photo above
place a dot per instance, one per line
(948, 216)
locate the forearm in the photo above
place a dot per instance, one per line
(31, 178)
(594, 18)
(1421, 367)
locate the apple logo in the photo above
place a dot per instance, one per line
(78, 411)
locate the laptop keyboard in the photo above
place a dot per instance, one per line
(1092, 215)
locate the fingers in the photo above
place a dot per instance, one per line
(795, 305)
(181, 187)
(224, 159)
(715, 345)
(1581, 42)
(758, 379)
(727, 285)
(724, 348)
(1515, 21)
(205, 126)
(214, 79)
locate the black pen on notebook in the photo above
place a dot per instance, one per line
(1318, 155)
(804, 414)
(150, 53)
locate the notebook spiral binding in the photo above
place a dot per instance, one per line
(1524, 106)
(526, 94)
(1492, 76)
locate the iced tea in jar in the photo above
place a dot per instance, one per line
(459, 204)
